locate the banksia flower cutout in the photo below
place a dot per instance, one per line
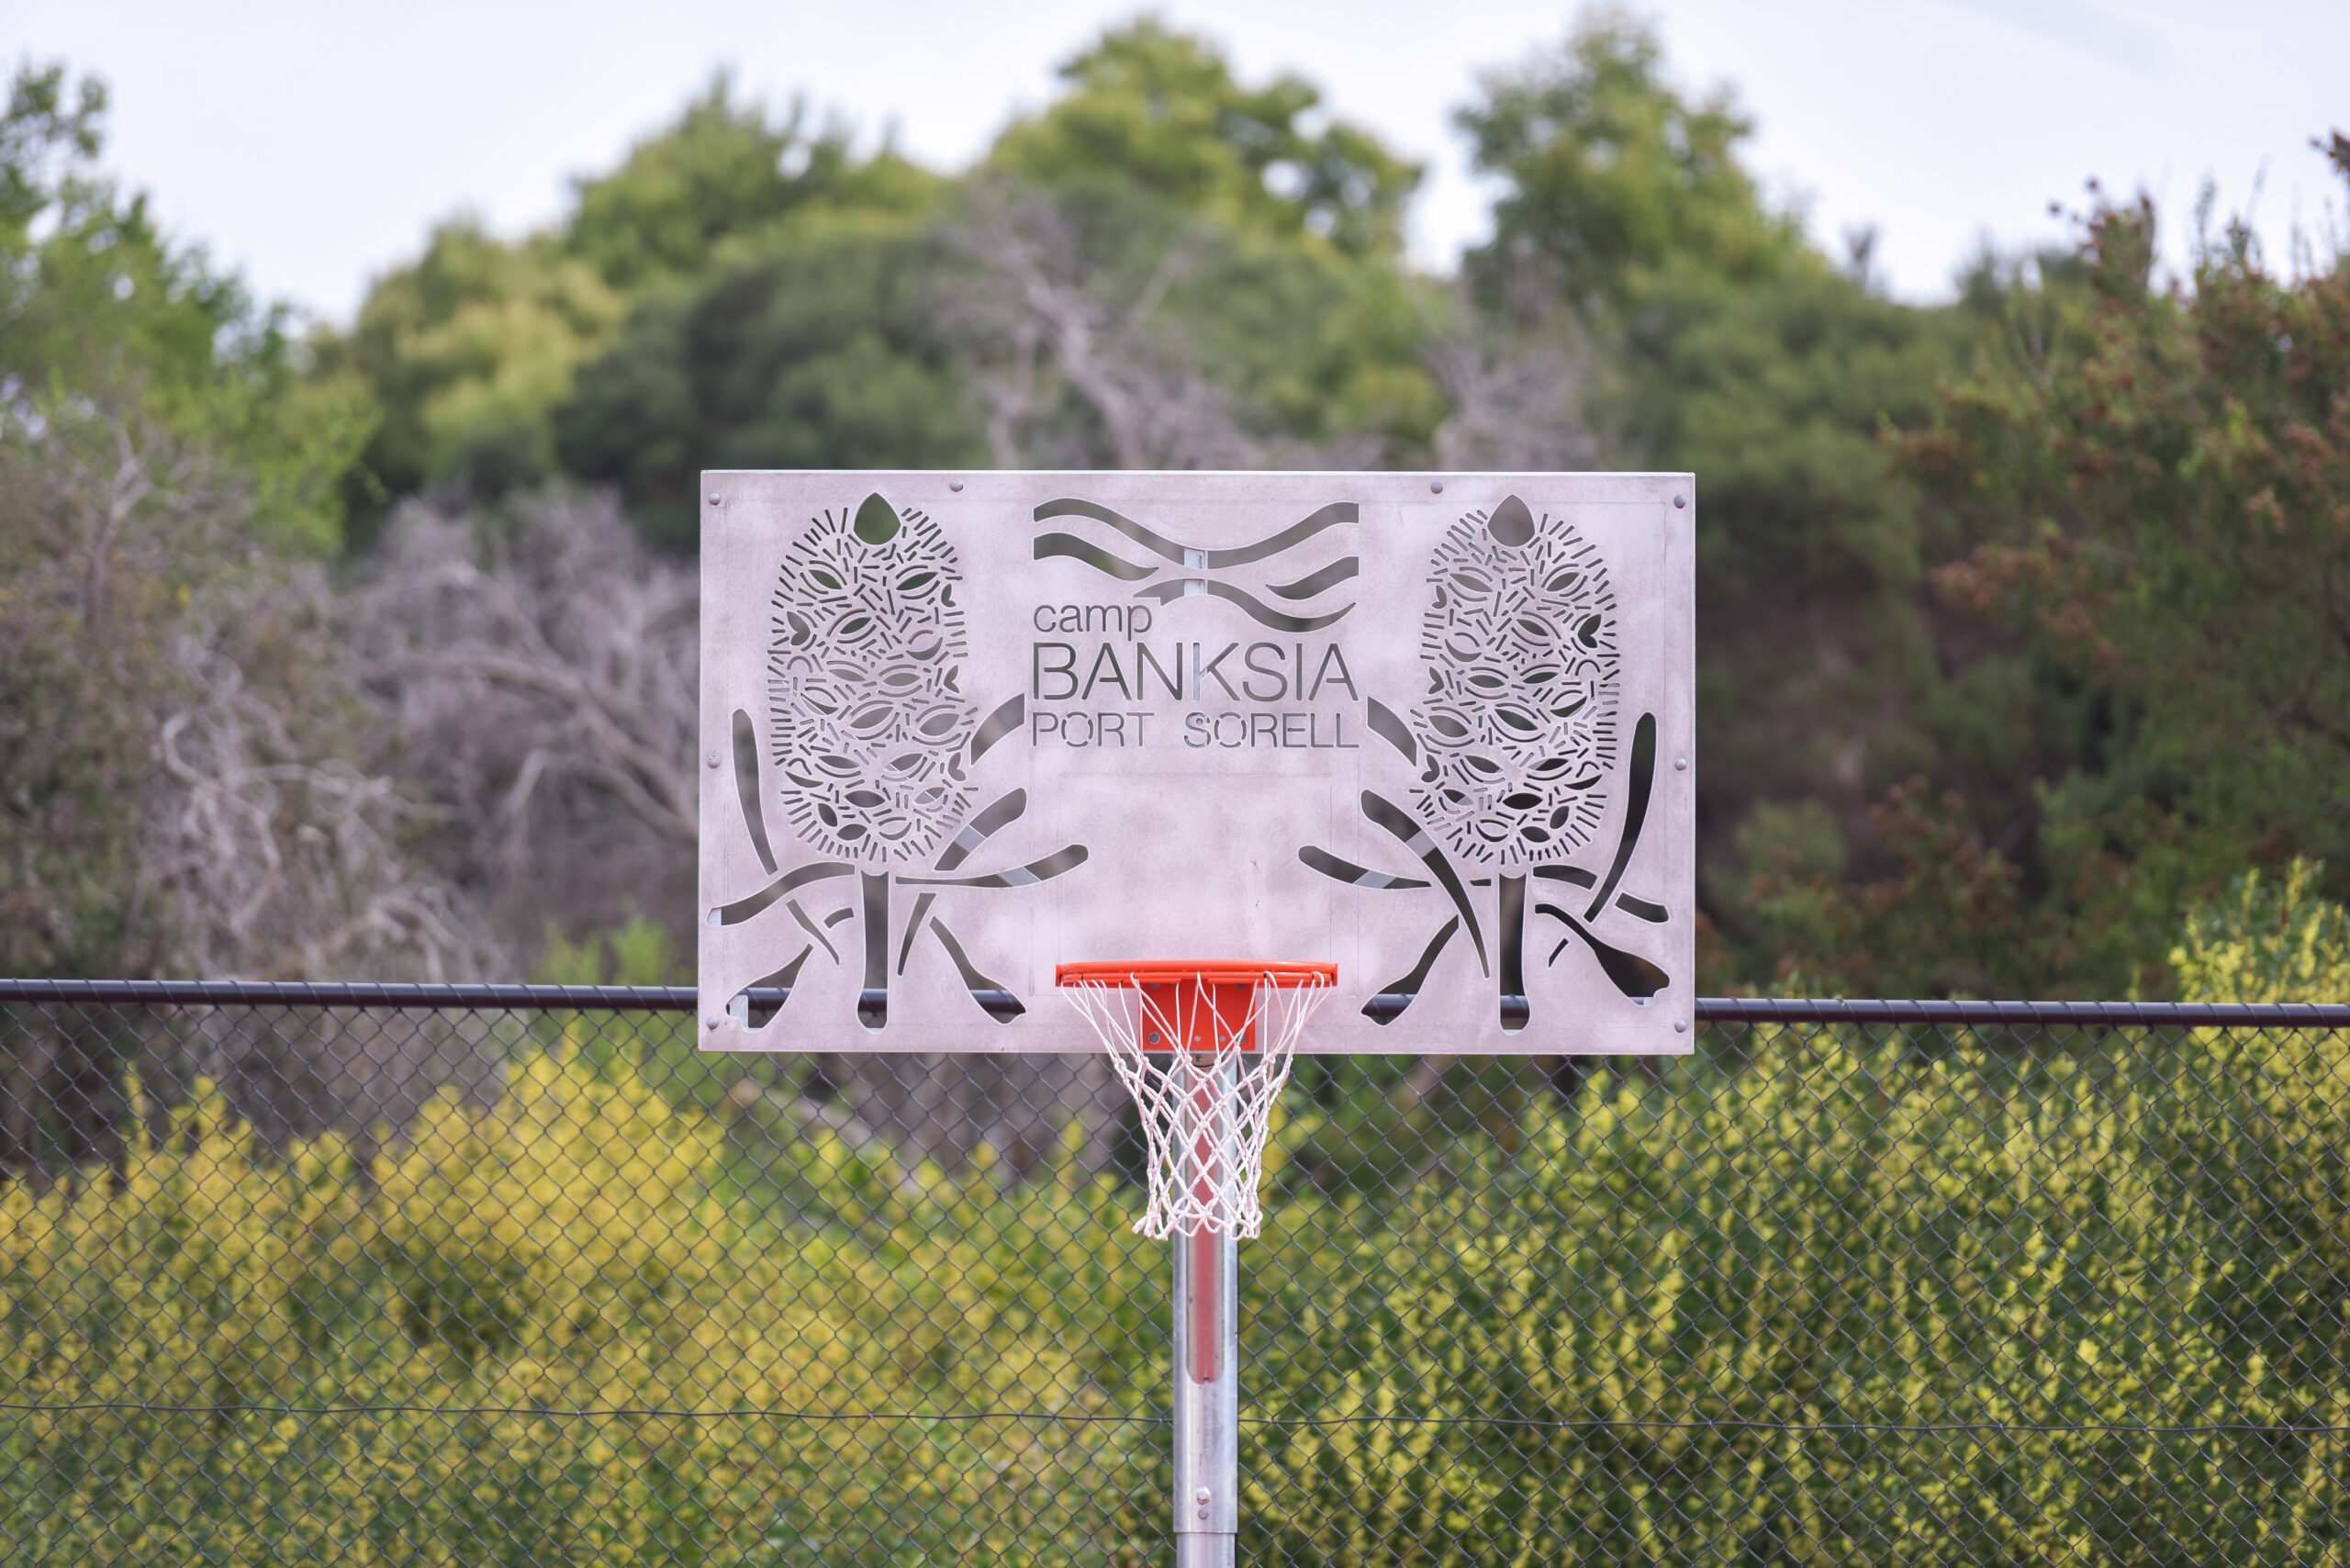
(868, 714)
(1516, 719)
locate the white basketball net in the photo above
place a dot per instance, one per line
(1206, 1110)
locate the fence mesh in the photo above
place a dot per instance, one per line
(521, 1283)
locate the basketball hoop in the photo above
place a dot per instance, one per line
(1487, 700)
(1205, 1050)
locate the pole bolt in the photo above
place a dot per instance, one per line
(1201, 1494)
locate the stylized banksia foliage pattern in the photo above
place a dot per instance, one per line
(1517, 715)
(863, 685)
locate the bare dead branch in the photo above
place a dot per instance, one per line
(539, 683)
(1039, 301)
(1518, 395)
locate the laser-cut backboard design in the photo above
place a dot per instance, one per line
(864, 677)
(1517, 722)
(959, 729)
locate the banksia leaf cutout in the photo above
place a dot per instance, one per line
(865, 707)
(1515, 726)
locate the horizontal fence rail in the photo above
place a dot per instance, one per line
(682, 999)
(487, 1273)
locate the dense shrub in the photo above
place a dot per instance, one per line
(1814, 1294)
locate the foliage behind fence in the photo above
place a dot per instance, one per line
(1822, 1291)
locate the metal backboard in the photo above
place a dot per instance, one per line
(960, 728)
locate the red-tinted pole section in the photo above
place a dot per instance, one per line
(1207, 1392)
(1207, 1295)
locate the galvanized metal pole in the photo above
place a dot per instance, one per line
(1207, 1399)
(1207, 1383)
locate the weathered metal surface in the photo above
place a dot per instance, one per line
(1443, 739)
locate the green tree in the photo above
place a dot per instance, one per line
(814, 355)
(2158, 481)
(1613, 176)
(466, 349)
(1167, 236)
(1160, 109)
(470, 348)
(1117, 284)
(99, 308)
(1731, 347)
(820, 353)
(2150, 484)
(175, 791)
(724, 171)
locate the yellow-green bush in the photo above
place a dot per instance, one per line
(1797, 1315)
(1823, 1297)
(577, 1207)
(2268, 940)
(1905, 1299)
(541, 1340)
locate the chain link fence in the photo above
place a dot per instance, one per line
(513, 1275)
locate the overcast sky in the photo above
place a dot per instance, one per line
(311, 144)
